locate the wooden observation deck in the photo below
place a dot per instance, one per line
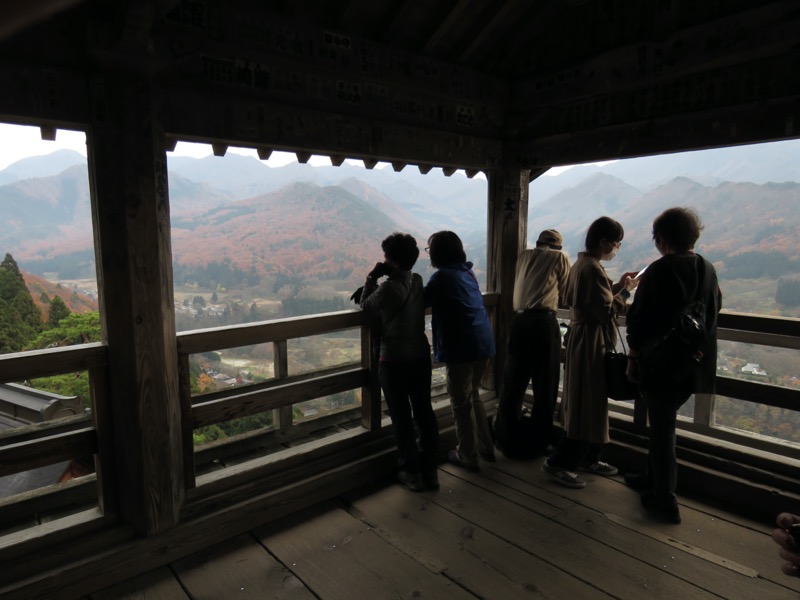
(508, 88)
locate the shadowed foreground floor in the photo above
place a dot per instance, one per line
(506, 532)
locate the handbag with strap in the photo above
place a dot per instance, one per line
(676, 356)
(616, 364)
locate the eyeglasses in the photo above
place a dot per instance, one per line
(427, 249)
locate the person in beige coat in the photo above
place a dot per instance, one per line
(593, 300)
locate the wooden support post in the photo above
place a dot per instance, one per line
(507, 232)
(280, 366)
(108, 501)
(130, 209)
(704, 409)
(370, 393)
(187, 420)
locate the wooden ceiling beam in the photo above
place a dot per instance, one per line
(393, 30)
(497, 27)
(237, 120)
(749, 123)
(447, 26)
(16, 16)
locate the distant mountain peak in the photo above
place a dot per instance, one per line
(45, 165)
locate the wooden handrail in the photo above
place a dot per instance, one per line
(24, 456)
(252, 402)
(53, 361)
(206, 340)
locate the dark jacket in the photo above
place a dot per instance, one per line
(461, 328)
(667, 286)
(399, 300)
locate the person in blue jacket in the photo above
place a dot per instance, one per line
(463, 341)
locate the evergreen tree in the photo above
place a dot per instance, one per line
(10, 265)
(20, 319)
(72, 329)
(58, 311)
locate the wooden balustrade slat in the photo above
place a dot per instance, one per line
(781, 326)
(36, 431)
(24, 456)
(253, 402)
(761, 393)
(233, 336)
(271, 383)
(53, 361)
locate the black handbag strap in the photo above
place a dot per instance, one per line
(612, 347)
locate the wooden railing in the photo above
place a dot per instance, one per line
(49, 443)
(283, 391)
(759, 330)
(61, 440)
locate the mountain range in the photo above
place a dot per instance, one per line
(240, 220)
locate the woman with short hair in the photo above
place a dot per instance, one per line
(404, 367)
(666, 288)
(464, 342)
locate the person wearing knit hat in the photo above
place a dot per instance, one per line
(534, 348)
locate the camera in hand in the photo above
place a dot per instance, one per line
(380, 270)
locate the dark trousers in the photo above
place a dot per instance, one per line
(570, 453)
(662, 464)
(407, 389)
(534, 348)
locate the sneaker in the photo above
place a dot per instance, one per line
(455, 459)
(564, 477)
(662, 511)
(637, 480)
(600, 468)
(412, 481)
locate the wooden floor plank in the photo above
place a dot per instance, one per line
(159, 584)
(469, 554)
(712, 530)
(509, 532)
(595, 563)
(340, 558)
(622, 525)
(238, 568)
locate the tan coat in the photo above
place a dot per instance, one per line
(592, 300)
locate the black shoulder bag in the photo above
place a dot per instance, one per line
(676, 356)
(616, 364)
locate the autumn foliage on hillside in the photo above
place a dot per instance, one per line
(43, 291)
(300, 230)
